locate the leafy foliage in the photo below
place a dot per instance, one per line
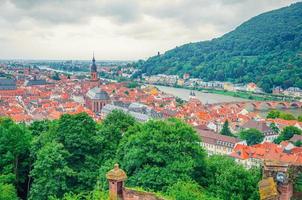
(94, 195)
(74, 148)
(50, 172)
(7, 192)
(287, 133)
(225, 129)
(270, 43)
(68, 159)
(112, 129)
(14, 154)
(187, 191)
(274, 127)
(252, 136)
(273, 114)
(37, 127)
(227, 180)
(158, 153)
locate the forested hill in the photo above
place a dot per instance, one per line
(266, 49)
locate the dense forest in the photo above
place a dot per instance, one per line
(69, 157)
(266, 49)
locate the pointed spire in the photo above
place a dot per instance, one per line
(93, 66)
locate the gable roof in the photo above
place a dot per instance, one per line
(97, 94)
(211, 137)
(259, 125)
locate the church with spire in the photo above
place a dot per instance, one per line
(93, 71)
(95, 98)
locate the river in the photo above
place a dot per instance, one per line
(209, 98)
(216, 98)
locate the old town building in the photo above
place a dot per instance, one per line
(7, 84)
(96, 99)
(215, 143)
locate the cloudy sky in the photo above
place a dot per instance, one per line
(116, 29)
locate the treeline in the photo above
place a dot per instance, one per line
(266, 50)
(273, 114)
(69, 157)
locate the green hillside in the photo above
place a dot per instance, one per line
(266, 49)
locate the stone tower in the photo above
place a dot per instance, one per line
(116, 178)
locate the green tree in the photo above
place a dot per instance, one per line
(298, 143)
(287, 133)
(8, 192)
(37, 127)
(179, 101)
(252, 136)
(187, 190)
(132, 85)
(158, 153)
(274, 127)
(273, 114)
(300, 118)
(51, 172)
(228, 180)
(225, 129)
(80, 138)
(112, 129)
(14, 154)
(56, 76)
(287, 116)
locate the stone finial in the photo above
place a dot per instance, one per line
(116, 174)
(268, 189)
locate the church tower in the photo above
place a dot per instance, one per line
(93, 70)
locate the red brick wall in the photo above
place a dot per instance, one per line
(130, 194)
(286, 191)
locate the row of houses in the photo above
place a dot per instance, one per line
(173, 80)
(291, 91)
(255, 155)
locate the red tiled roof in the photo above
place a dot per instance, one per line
(267, 151)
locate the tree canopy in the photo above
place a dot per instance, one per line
(188, 190)
(227, 180)
(273, 114)
(69, 157)
(226, 129)
(287, 133)
(252, 136)
(14, 155)
(158, 153)
(7, 192)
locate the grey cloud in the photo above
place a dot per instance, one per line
(163, 23)
(187, 13)
(76, 11)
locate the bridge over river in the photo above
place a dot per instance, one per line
(262, 105)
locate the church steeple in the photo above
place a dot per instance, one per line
(93, 66)
(93, 70)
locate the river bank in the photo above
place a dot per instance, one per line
(239, 94)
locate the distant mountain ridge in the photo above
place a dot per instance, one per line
(266, 49)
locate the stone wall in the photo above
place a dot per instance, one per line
(131, 194)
